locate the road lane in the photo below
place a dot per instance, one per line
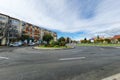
(3, 57)
(73, 58)
(29, 64)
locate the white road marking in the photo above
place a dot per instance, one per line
(75, 58)
(113, 77)
(117, 47)
(101, 49)
(3, 57)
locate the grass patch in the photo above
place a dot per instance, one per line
(103, 45)
(53, 47)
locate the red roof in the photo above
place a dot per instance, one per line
(116, 37)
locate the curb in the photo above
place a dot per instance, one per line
(37, 48)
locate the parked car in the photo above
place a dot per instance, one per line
(16, 44)
(31, 44)
(20, 43)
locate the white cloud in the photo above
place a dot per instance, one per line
(64, 15)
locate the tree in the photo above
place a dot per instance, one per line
(24, 37)
(99, 40)
(85, 40)
(98, 37)
(47, 38)
(62, 43)
(53, 43)
(119, 39)
(61, 39)
(107, 40)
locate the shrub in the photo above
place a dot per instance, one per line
(56, 46)
(53, 43)
(62, 43)
(45, 45)
(47, 38)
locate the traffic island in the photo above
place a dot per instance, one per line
(54, 48)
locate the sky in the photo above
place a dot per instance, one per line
(76, 19)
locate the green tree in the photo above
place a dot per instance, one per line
(47, 38)
(63, 43)
(54, 43)
(98, 37)
(24, 37)
(61, 39)
(107, 40)
(85, 40)
(99, 40)
(88, 41)
(119, 39)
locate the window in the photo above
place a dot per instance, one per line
(2, 24)
(2, 18)
(1, 34)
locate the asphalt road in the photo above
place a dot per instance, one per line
(81, 63)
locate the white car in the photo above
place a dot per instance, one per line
(31, 44)
(16, 44)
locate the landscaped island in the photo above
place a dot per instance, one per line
(53, 48)
(51, 44)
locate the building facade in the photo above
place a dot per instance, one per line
(12, 29)
(3, 28)
(115, 39)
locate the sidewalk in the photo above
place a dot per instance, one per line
(3, 46)
(113, 77)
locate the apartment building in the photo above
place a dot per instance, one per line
(3, 28)
(54, 34)
(12, 29)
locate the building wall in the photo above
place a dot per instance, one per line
(12, 28)
(32, 31)
(3, 28)
(37, 33)
(55, 36)
(41, 34)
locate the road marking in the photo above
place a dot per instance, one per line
(101, 49)
(75, 58)
(114, 77)
(117, 47)
(3, 57)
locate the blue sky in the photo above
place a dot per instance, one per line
(73, 18)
